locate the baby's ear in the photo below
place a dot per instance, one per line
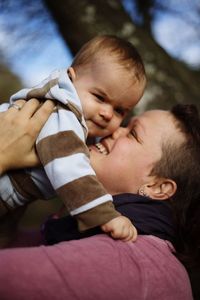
(161, 188)
(71, 73)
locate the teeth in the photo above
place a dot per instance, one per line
(101, 148)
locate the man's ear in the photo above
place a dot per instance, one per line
(160, 188)
(71, 73)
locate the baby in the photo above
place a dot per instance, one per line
(105, 81)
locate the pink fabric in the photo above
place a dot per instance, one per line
(97, 268)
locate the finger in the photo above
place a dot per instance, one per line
(20, 102)
(30, 107)
(128, 236)
(122, 233)
(16, 107)
(42, 114)
(131, 235)
(134, 234)
(117, 234)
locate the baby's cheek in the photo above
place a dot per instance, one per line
(114, 126)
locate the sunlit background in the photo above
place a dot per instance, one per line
(175, 26)
(39, 36)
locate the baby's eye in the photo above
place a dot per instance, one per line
(120, 111)
(99, 97)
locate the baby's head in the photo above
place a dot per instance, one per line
(109, 77)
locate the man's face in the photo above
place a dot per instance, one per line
(107, 93)
(124, 160)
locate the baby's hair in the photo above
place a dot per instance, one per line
(121, 50)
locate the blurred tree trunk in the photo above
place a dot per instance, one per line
(169, 81)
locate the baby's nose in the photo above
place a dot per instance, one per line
(107, 112)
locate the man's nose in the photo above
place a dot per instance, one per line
(121, 131)
(106, 112)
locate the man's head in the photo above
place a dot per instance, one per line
(181, 162)
(158, 155)
(109, 76)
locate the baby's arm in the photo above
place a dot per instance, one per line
(65, 157)
(120, 228)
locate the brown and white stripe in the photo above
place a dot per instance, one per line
(64, 155)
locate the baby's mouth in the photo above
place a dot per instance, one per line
(101, 124)
(101, 148)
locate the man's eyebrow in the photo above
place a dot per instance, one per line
(140, 124)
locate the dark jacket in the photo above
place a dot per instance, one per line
(150, 217)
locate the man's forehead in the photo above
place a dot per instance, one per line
(157, 115)
(156, 120)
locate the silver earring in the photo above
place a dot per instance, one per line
(142, 192)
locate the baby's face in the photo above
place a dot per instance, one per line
(107, 94)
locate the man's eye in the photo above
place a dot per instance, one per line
(134, 134)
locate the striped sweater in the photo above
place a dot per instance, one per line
(65, 158)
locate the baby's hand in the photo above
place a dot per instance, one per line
(121, 228)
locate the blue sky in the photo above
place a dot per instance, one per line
(40, 64)
(178, 39)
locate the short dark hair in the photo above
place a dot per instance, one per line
(182, 164)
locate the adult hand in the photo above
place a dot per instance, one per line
(18, 132)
